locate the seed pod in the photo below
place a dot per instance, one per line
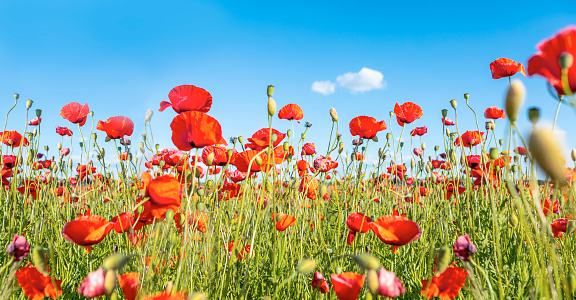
(303, 136)
(270, 90)
(29, 103)
(453, 103)
(534, 115)
(444, 113)
(493, 153)
(306, 266)
(241, 139)
(258, 160)
(200, 192)
(16, 96)
(334, 114)
(566, 60)
(367, 261)
(210, 159)
(375, 139)
(466, 96)
(514, 99)
(545, 150)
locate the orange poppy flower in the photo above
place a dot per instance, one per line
(75, 113)
(116, 127)
(407, 113)
(447, 285)
(494, 113)
(347, 285)
(284, 221)
(36, 286)
(291, 112)
(165, 192)
(302, 166)
(167, 296)
(87, 230)
(396, 230)
(129, 283)
(220, 155)
(123, 222)
(242, 159)
(504, 67)
(470, 138)
(310, 186)
(194, 129)
(366, 127)
(13, 139)
(545, 62)
(261, 139)
(188, 98)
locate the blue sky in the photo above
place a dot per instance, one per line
(123, 57)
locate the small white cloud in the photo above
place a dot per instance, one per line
(324, 87)
(363, 81)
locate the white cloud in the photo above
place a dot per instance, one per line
(363, 81)
(324, 87)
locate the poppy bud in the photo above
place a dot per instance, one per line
(198, 295)
(391, 113)
(347, 160)
(286, 146)
(107, 139)
(412, 163)
(566, 60)
(210, 159)
(35, 132)
(16, 96)
(323, 190)
(436, 148)
(29, 103)
(169, 215)
(274, 137)
(289, 133)
(573, 154)
(514, 99)
(110, 282)
(444, 113)
(571, 226)
(493, 153)
(141, 147)
(258, 160)
(148, 116)
(367, 261)
(423, 146)
(372, 282)
(200, 192)
(91, 113)
(453, 103)
(270, 90)
(375, 139)
(229, 153)
(505, 152)
(514, 168)
(466, 96)
(545, 150)
(513, 220)
(401, 144)
(338, 270)
(39, 260)
(333, 114)
(443, 260)
(115, 261)
(303, 136)
(271, 106)
(241, 139)
(341, 147)
(144, 136)
(572, 282)
(306, 266)
(501, 142)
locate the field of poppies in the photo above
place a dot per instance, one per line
(270, 216)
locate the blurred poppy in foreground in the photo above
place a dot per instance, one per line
(188, 98)
(93, 285)
(194, 129)
(396, 230)
(504, 67)
(347, 285)
(167, 296)
(129, 283)
(116, 127)
(75, 113)
(291, 112)
(36, 286)
(283, 221)
(445, 286)
(366, 127)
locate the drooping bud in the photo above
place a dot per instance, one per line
(514, 99)
(545, 150)
(333, 114)
(271, 106)
(306, 266)
(16, 96)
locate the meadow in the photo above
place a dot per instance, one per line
(271, 216)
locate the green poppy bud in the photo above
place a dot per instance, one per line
(270, 90)
(289, 133)
(271, 106)
(372, 282)
(514, 99)
(338, 270)
(38, 113)
(210, 159)
(466, 96)
(444, 113)
(241, 139)
(303, 136)
(16, 96)
(306, 266)
(534, 114)
(200, 192)
(333, 114)
(115, 261)
(513, 220)
(39, 260)
(110, 282)
(453, 103)
(286, 146)
(169, 215)
(29, 103)
(493, 153)
(367, 261)
(545, 150)
(443, 260)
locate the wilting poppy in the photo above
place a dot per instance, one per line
(87, 230)
(291, 112)
(188, 98)
(494, 113)
(504, 67)
(445, 286)
(36, 286)
(470, 138)
(116, 127)
(194, 129)
(347, 285)
(396, 230)
(13, 139)
(93, 285)
(75, 113)
(419, 131)
(357, 222)
(284, 221)
(129, 283)
(366, 127)
(261, 139)
(407, 113)
(545, 62)
(319, 283)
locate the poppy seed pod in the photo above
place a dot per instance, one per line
(107, 139)
(493, 153)
(148, 116)
(466, 96)
(16, 96)
(29, 103)
(534, 115)
(444, 113)
(453, 103)
(514, 99)
(367, 261)
(38, 113)
(270, 90)
(375, 139)
(141, 147)
(241, 139)
(334, 114)
(306, 266)
(271, 106)
(566, 60)
(545, 150)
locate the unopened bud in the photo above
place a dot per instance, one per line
(513, 220)
(338, 270)
(341, 147)
(29, 103)
(16, 96)
(453, 103)
(534, 115)
(466, 96)
(303, 136)
(198, 295)
(210, 159)
(566, 60)
(271, 106)
(270, 90)
(514, 99)
(289, 133)
(423, 146)
(443, 260)
(110, 282)
(323, 190)
(148, 116)
(59, 147)
(573, 154)
(333, 114)
(286, 146)
(258, 160)
(39, 260)
(306, 266)
(372, 282)
(273, 137)
(375, 139)
(545, 150)
(367, 261)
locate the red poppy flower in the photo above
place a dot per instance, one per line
(319, 283)
(129, 283)
(302, 167)
(188, 98)
(35, 122)
(396, 230)
(324, 164)
(407, 113)
(123, 222)
(242, 159)
(220, 155)
(347, 285)
(504, 67)
(559, 226)
(194, 129)
(165, 192)
(29, 187)
(36, 286)
(419, 131)
(309, 149)
(520, 150)
(447, 285)
(448, 122)
(87, 230)
(291, 112)
(167, 296)
(366, 127)
(63, 131)
(310, 186)
(284, 221)
(545, 62)
(494, 113)
(357, 222)
(238, 176)
(75, 113)
(470, 138)
(261, 139)
(13, 139)
(116, 127)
